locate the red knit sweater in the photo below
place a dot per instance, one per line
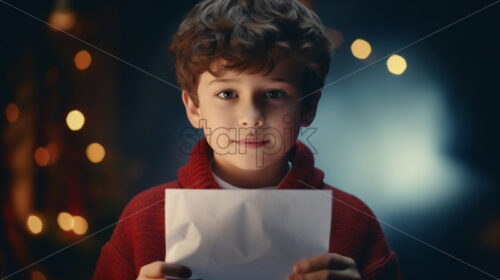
(139, 236)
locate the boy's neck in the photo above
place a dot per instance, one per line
(266, 177)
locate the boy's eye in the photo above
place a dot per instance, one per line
(273, 94)
(226, 94)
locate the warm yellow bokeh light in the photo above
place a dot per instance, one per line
(80, 226)
(34, 224)
(12, 112)
(396, 64)
(62, 20)
(75, 120)
(82, 59)
(42, 156)
(37, 275)
(65, 221)
(361, 49)
(95, 152)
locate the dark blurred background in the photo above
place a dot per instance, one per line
(420, 147)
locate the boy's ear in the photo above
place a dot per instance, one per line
(309, 110)
(193, 112)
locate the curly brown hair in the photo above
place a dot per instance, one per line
(250, 34)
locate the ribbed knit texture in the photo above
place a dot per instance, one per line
(139, 235)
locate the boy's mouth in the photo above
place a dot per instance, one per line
(252, 142)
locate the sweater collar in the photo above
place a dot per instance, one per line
(196, 174)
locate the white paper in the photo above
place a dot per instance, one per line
(245, 234)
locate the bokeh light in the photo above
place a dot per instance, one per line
(335, 37)
(75, 120)
(65, 221)
(12, 112)
(81, 226)
(37, 275)
(62, 20)
(42, 156)
(95, 152)
(396, 64)
(34, 224)
(83, 59)
(361, 49)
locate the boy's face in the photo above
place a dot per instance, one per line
(250, 106)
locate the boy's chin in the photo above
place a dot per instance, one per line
(251, 163)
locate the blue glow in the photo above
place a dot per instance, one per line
(383, 140)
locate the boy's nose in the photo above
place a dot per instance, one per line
(251, 121)
(257, 123)
(251, 116)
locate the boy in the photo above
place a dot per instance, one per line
(250, 71)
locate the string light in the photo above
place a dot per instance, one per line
(95, 152)
(42, 156)
(82, 60)
(12, 112)
(65, 221)
(62, 19)
(75, 120)
(396, 64)
(34, 224)
(81, 226)
(37, 275)
(361, 49)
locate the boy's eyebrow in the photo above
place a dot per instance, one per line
(278, 79)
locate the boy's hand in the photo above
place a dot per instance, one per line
(325, 266)
(162, 270)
